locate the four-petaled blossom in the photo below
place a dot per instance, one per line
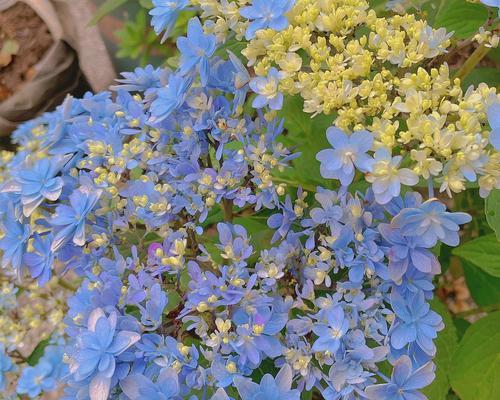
(138, 387)
(279, 388)
(266, 14)
(330, 335)
(72, 218)
(386, 177)
(165, 13)
(348, 153)
(431, 222)
(196, 49)
(405, 382)
(494, 121)
(96, 352)
(267, 90)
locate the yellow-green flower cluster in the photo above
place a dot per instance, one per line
(30, 314)
(223, 16)
(371, 73)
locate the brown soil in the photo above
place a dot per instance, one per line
(21, 25)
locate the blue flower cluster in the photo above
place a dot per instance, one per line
(144, 196)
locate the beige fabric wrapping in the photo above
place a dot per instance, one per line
(77, 49)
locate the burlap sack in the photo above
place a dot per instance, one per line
(77, 49)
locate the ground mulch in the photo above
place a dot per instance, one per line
(20, 24)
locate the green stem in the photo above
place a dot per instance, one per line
(309, 188)
(227, 208)
(472, 61)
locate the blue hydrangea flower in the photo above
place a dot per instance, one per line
(169, 98)
(165, 14)
(6, 365)
(141, 79)
(494, 121)
(279, 388)
(35, 380)
(266, 14)
(415, 322)
(151, 313)
(14, 242)
(330, 335)
(44, 376)
(97, 348)
(431, 222)
(196, 49)
(220, 394)
(267, 90)
(37, 183)
(386, 177)
(41, 260)
(405, 382)
(138, 387)
(71, 218)
(348, 153)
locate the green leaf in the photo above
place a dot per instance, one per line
(460, 16)
(484, 288)
(483, 252)
(475, 368)
(446, 344)
(234, 46)
(490, 76)
(37, 353)
(146, 4)
(308, 136)
(461, 326)
(173, 301)
(492, 210)
(106, 8)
